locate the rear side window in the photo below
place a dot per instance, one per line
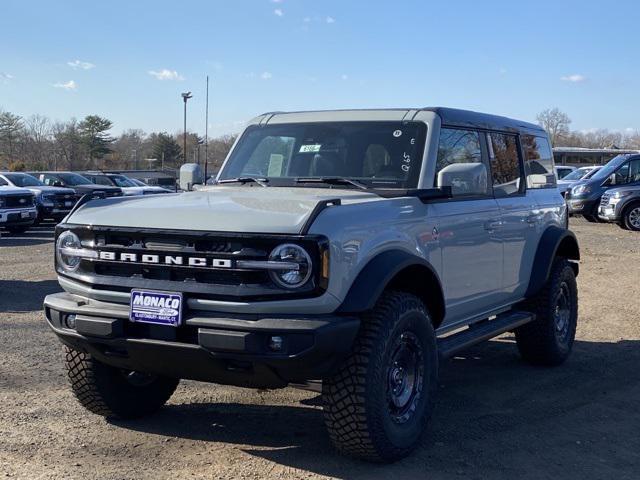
(505, 164)
(538, 162)
(460, 164)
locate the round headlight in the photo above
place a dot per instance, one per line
(294, 254)
(68, 241)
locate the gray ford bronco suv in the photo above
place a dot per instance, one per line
(349, 249)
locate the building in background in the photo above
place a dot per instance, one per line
(578, 157)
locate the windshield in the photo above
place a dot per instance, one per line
(378, 154)
(609, 168)
(122, 181)
(23, 180)
(138, 182)
(74, 179)
(577, 174)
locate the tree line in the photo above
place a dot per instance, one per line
(38, 143)
(558, 125)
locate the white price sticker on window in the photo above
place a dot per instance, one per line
(310, 148)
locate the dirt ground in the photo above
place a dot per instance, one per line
(496, 416)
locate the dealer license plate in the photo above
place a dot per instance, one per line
(160, 308)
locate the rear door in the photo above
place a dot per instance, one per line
(519, 213)
(467, 226)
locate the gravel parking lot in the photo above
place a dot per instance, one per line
(496, 416)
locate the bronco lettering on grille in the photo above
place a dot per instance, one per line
(156, 259)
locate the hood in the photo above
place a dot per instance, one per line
(50, 189)
(250, 209)
(9, 190)
(632, 188)
(95, 188)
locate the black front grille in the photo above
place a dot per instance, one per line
(232, 283)
(18, 201)
(60, 200)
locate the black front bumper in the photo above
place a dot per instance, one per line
(213, 348)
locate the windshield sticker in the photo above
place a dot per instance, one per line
(397, 133)
(310, 148)
(275, 165)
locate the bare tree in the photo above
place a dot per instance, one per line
(11, 128)
(555, 122)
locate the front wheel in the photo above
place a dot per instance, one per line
(631, 217)
(377, 406)
(115, 393)
(548, 339)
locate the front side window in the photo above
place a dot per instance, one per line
(460, 164)
(3, 182)
(505, 164)
(378, 154)
(538, 162)
(628, 173)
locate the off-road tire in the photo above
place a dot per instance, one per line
(18, 230)
(106, 390)
(548, 339)
(627, 216)
(357, 409)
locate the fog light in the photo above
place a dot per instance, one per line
(276, 343)
(70, 321)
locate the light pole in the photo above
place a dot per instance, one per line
(185, 96)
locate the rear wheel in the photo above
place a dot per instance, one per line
(548, 340)
(631, 217)
(377, 406)
(113, 392)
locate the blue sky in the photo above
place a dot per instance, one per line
(129, 60)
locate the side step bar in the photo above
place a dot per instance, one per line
(450, 345)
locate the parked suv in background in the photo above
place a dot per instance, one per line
(622, 206)
(52, 202)
(78, 183)
(354, 248)
(17, 208)
(127, 185)
(584, 197)
(582, 173)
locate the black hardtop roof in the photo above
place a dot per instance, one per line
(470, 119)
(450, 116)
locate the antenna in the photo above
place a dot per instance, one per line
(206, 134)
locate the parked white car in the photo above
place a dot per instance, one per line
(128, 185)
(582, 173)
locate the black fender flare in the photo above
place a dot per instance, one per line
(554, 242)
(381, 270)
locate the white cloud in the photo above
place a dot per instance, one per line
(266, 75)
(5, 77)
(330, 19)
(166, 74)
(344, 76)
(575, 78)
(70, 85)
(276, 1)
(278, 12)
(79, 64)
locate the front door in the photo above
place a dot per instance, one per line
(467, 226)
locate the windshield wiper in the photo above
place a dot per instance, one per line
(334, 181)
(260, 181)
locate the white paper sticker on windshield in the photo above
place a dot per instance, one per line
(310, 148)
(275, 165)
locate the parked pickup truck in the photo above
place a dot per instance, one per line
(17, 208)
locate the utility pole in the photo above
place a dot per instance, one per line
(185, 96)
(206, 134)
